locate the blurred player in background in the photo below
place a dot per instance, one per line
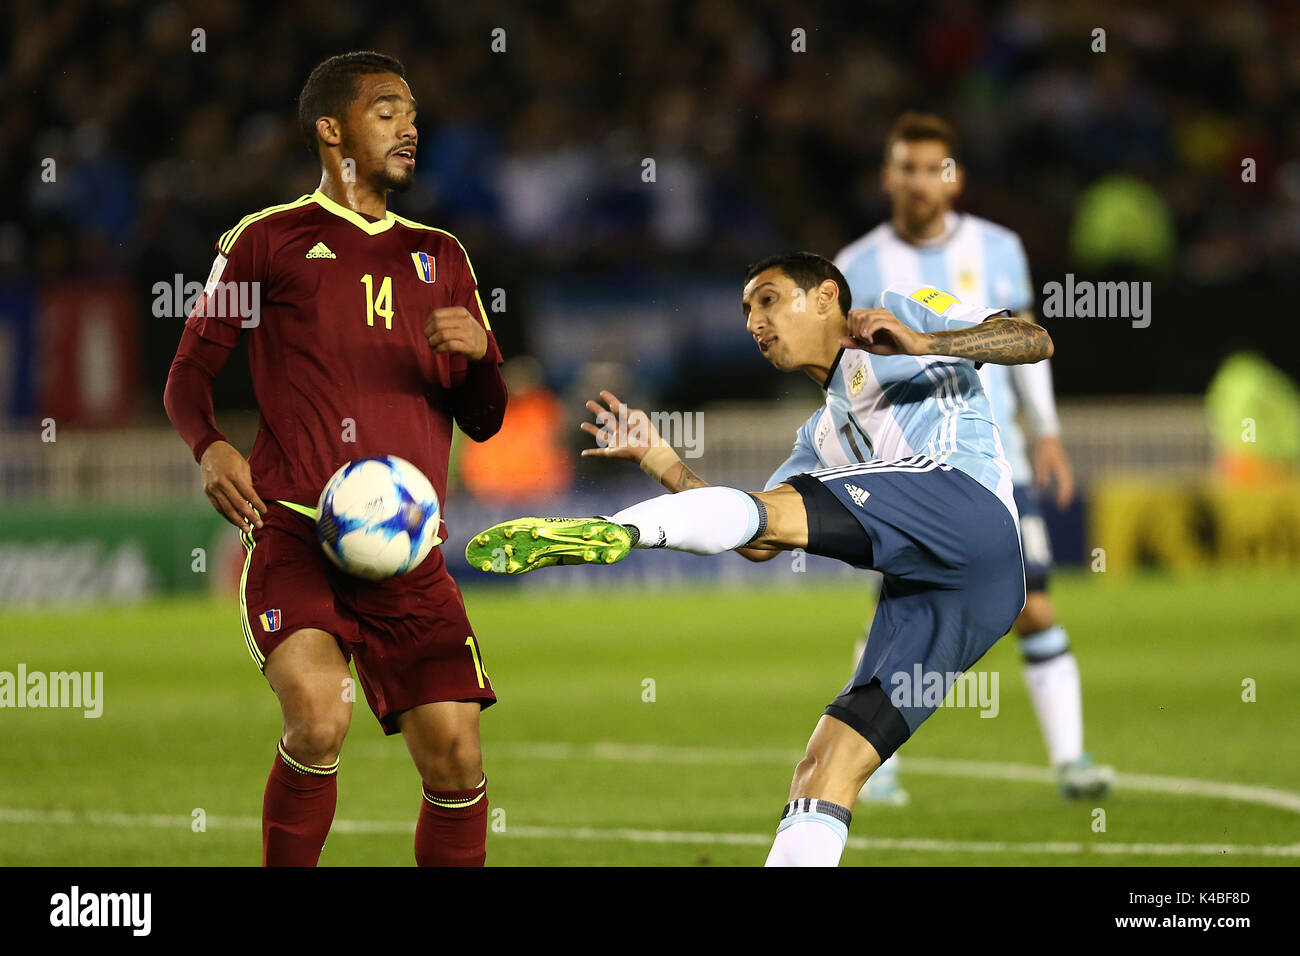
(369, 338)
(926, 241)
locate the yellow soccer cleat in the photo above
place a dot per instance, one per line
(525, 544)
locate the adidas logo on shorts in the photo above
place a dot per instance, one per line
(858, 495)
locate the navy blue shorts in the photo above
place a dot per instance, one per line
(1034, 541)
(948, 552)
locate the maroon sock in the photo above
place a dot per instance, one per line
(297, 811)
(452, 828)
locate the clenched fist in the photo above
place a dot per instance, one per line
(454, 330)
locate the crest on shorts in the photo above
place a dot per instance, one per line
(270, 620)
(425, 266)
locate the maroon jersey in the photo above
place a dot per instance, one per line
(341, 366)
(340, 363)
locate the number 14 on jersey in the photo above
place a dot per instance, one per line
(379, 302)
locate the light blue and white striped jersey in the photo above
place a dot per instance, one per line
(975, 259)
(892, 407)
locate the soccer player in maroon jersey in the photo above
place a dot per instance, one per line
(366, 336)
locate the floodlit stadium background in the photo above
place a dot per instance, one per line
(1172, 157)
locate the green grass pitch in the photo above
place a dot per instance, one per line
(589, 772)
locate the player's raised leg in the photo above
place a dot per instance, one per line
(308, 673)
(443, 739)
(701, 521)
(714, 520)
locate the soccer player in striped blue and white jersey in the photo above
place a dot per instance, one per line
(927, 242)
(900, 470)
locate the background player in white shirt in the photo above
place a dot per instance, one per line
(927, 242)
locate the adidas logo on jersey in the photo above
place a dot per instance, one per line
(320, 251)
(858, 495)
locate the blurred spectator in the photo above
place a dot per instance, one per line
(1254, 412)
(166, 122)
(527, 460)
(543, 143)
(1122, 221)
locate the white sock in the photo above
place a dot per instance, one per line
(812, 833)
(701, 521)
(1055, 691)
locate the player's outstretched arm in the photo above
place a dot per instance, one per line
(997, 341)
(623, 432)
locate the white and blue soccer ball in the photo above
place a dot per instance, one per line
(378, 517)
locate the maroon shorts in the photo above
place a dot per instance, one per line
(409, 635)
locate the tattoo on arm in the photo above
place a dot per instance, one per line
(681, 478)
(997, 341)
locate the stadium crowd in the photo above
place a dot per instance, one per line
(168, 121)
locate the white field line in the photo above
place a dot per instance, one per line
(655, 754)
(661, 837)
(922, 766)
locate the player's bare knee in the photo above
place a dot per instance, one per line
(787, 521)
(315, 742)
(314, 729)
(805, 771)
(458, 765)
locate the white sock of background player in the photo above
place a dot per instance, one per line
(1054, 689)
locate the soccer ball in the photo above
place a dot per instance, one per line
(378, 517)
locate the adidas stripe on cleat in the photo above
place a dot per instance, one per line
(525, 544)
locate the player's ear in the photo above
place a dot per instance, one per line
(329, 130)
(827, 295)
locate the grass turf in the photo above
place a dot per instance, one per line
(740, 678)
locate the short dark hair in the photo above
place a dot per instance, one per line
(915, 127)
(808, 270)
(332, 87)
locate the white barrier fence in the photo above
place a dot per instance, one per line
(740, 444)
